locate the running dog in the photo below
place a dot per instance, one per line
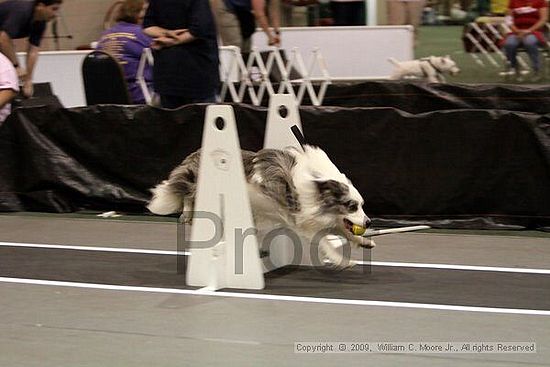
(429, 68)
(299, 190)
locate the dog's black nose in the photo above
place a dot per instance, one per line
(367, 222)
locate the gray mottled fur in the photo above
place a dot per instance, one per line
(275, 164)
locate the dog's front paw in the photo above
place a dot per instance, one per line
(365, 242)
(333, 258)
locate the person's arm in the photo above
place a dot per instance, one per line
(172, 38)
(32, 57)
(6, 96)
(543, 12)
(155, 31)
(163, 38)
(275, 15)
(258, 7)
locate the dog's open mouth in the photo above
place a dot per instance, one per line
(355, 229)
(348, 225)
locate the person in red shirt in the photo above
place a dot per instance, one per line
(527, 18)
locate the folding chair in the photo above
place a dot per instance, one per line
(104, 81)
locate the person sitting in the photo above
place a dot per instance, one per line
(526, 18)
(125, 41)
(9, 86)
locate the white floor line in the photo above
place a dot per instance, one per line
(457, 267)
(90, 248)
(375, 263)
(272, 297)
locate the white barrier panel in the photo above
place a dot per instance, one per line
(62, 69)
(356, 53)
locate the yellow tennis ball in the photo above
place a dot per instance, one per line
(358, 230)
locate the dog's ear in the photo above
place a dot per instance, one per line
(333, 188)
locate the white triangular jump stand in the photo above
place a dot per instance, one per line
(220, 257)
(282, 115)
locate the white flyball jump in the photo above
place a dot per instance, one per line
(223, 246)
(229, 259)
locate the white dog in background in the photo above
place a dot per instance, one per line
(429, 68)
(299, 190)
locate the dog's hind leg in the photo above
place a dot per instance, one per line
(178, 192)
(165, 200)
(188, 208)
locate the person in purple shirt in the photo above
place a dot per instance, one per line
(125, 41)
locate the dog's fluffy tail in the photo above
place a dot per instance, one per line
(393, 61)
(165, 200)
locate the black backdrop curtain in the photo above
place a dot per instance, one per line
(423, 97)
(449, 168)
